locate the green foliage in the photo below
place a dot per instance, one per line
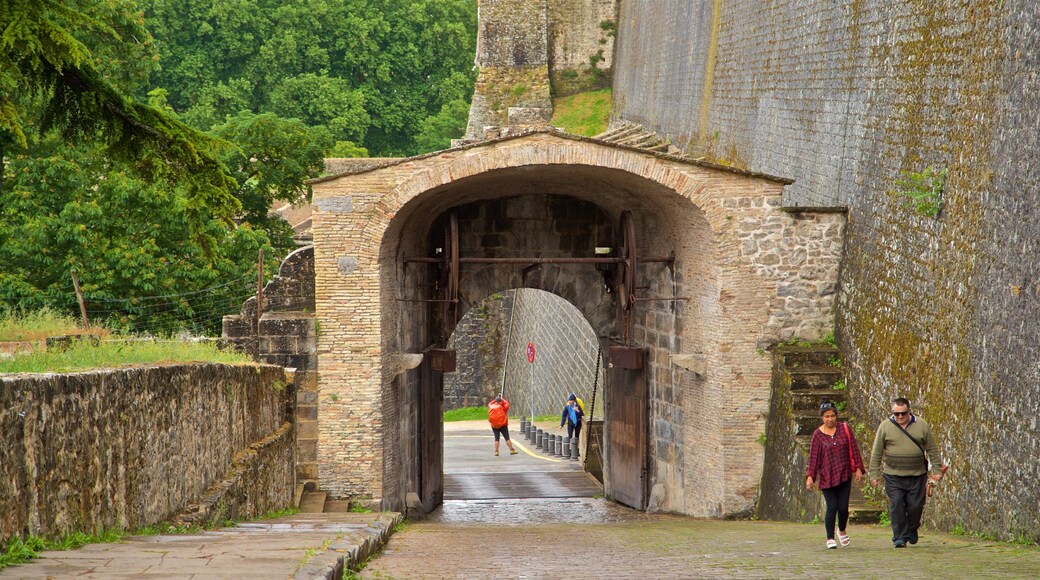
(86, 354)
(583, 114)
(922, 192)
(347, 149)
(271, 158)
(840, 406)
(20, 551)
(828, 339)
(437, 131)
(884, 520)
(839, 386)
(368, 71)
(49, 81)
(762, 438)
(140, 265)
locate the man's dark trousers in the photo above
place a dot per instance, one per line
(906, 496)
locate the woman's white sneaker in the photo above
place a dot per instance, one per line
(831, 544)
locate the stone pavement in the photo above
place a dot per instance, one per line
(592, 538)
(472, 471)
(298, 546)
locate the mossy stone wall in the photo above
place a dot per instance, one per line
(846, 98)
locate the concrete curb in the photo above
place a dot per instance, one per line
(350, 551)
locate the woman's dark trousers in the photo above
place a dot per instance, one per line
(837, 499)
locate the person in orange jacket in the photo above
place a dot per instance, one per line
(498, 410)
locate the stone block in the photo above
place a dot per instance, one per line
(306, 471)
(306, 429)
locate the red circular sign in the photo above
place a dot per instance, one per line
(530, 352)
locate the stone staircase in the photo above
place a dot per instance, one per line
(311, 500)
(810, 376)
(633, 135)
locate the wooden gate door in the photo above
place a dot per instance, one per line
(626, 425)
(435, 363)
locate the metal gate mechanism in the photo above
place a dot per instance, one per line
(622, 282)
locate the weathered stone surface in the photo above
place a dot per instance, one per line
(847, 98)
(552, 195)
(129, 448)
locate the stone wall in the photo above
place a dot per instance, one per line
(846, 98)
(513, 58)
(479, 342)
(738, 263)
(129, 448)
(581, 44)
(566, 354)
(286, 334)
(491, 345)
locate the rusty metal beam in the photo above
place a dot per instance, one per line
(537, 260)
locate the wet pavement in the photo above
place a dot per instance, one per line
(537, 537)
(298, 546)
(473, 471)
(594, 538)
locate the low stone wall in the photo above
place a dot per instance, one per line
(129, 448)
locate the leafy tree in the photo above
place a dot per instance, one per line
(323, 100)
(369, 70)
(61, 85)
(437, 131)
(139, 264)
(271, 159)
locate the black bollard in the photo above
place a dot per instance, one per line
(574, 449)
(523, 424)
(551, 445)
(539, 436)
(566, 446)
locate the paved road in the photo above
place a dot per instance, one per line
(596, 539)
(472, 471)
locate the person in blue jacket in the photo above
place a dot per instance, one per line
(572, 415)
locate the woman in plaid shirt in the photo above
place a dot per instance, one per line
(833, 460)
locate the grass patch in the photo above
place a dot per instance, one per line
(583, 114)
(466, 414)
(84, 354)
(37, 325)
(480, 414)
(20, 551)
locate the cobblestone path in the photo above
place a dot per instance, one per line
(593, 538)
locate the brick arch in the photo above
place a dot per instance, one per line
(752, 274)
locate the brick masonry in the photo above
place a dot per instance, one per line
(845, 98)
(740, 262)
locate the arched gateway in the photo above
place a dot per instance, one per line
(403, 249)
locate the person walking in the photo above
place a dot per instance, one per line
(834, 459)
(905, 443)
(498, 416)
(572, 416)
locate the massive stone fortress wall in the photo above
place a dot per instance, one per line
(845, 98)
(522, 44)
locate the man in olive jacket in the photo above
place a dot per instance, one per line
(904, 440)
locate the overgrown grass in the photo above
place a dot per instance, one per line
(37, 325)
(583, 114)
(480, 413)
(466, 414)
(85, 354)
(21, 551)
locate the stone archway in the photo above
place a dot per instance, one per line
(750, 274)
